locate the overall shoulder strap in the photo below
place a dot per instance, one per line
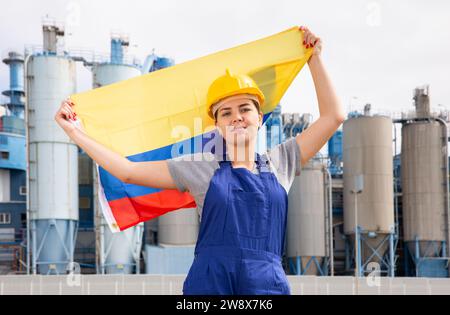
(263, 163)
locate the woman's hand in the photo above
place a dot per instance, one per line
(67, 118)
(311, 41)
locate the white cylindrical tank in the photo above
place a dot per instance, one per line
(423, 183)
(53, 163)
(306, 224)
(367, 151)
(105, 73)
(119, 251)
(178, 227)
(122, 250)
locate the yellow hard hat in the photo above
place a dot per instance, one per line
(230, 85)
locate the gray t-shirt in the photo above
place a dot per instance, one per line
(193, 173)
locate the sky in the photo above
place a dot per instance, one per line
(374, 51)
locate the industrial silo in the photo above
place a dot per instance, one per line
(178, 228)
(308, 224)
(52, 158)
(424, 181)
(12, 167)
(118, 253)
(367, 155)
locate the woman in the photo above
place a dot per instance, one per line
(241, 196)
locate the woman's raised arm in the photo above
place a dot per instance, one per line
(332, 114)
(151, 174)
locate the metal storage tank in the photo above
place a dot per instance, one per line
(178, 227)
(424, 186)
(107, 73)
(53, 162)
(367, 151)
(119, 252)
(423, 174)
(122, 250)
(308, 221)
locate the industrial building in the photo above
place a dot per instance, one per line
(361, 208)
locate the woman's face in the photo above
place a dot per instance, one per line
(238, 119)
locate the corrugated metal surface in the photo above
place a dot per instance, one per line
(423, 178)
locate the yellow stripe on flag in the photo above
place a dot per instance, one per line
(139, 114)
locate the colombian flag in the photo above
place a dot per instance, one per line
(149, 117)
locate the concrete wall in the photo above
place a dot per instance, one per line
(172, 284)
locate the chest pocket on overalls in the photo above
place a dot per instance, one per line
(247, 214)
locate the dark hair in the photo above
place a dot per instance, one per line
(254, 103)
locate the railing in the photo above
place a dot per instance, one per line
(406, 113)
(39, 50)
(89, 57)
(92, 58)
(16, 131)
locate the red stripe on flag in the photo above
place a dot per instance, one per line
(130, 211)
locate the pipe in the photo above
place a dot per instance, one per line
(27, 140)
(397, 224)
(391, 258)
(330, 221)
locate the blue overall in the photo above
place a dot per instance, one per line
(241, 236)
